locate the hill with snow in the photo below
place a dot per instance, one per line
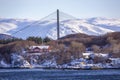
(5, 37)
(23, 28)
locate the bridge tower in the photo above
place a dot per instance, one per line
(58, 25)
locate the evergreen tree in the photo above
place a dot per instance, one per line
(46, 39)
(37, 40)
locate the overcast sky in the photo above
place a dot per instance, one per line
(36, 9)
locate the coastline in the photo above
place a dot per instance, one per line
(53, 68)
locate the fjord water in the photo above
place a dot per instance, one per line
(38, 74)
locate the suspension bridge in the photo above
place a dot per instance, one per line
(32, 29)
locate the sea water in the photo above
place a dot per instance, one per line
(38, 74)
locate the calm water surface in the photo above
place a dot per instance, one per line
(38, 74)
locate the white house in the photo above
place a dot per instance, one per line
(87, 55)
(102, 55)
(92, 55)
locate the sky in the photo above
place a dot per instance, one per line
(36, 9)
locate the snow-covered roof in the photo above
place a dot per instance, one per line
(104, 55)
(115, 58)
(41, 47)
(86, 54)
(101, 54)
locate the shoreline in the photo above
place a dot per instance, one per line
(51, 68)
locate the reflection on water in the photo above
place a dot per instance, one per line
(37, 74)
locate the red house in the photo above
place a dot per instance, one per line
(39, 49)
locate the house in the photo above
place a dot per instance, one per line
(88, 55)
(115, 60)
(39, 49)
(102, 55)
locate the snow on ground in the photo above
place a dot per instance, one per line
(5, 26)
(19, 61)
(4, 64)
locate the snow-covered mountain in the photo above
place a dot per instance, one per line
(26, 28)
(5, 36)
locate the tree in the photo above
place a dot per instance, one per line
(37, 40)
(76, 46)
(46, 39)
(77, 49)
(96, 49)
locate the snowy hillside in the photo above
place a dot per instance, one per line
(91, 26)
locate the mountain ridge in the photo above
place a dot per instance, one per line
(47, 28)
(5, 36)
